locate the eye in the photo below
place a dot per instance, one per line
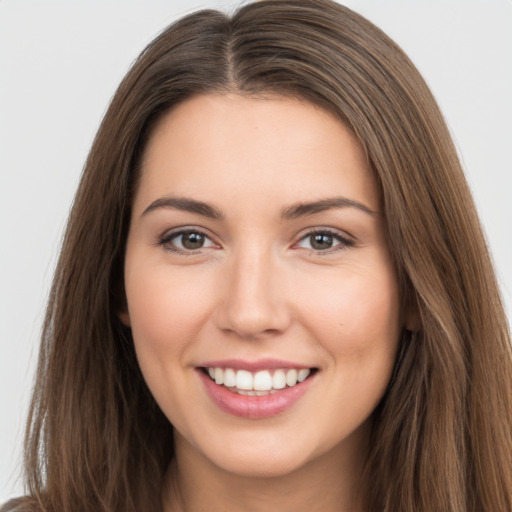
(186, 241)
(324, 241)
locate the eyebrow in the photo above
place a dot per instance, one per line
(309, 208)
(184, 204)
(294, 211)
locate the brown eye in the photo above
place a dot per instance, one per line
(324, 241)
(321, 241)
(186, 241)
(192, 240)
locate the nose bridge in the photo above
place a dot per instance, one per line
(254, 301)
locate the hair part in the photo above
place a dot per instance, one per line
(442, 440)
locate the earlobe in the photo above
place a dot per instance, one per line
(125, 318)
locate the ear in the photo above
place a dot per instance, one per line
(125, 318)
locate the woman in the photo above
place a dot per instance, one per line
(274, 292)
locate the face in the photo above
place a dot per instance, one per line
(261, 295)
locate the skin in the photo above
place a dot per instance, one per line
(257, 289)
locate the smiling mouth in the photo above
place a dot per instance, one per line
(260, 383)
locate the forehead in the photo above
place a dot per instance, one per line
(280, 149)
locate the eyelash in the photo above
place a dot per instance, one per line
(344, 242)
(166, 241)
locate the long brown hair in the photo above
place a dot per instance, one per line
(442, 435)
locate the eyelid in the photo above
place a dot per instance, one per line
(345, 240)
(164, 240)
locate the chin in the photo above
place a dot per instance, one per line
(262, 465)
(269, 457)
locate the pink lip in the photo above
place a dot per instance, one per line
(253, 366)
(253, 407)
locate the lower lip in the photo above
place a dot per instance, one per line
(254, 407)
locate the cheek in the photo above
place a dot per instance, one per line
(167, 309)
(355, 313)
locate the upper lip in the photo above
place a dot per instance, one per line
(254, 366)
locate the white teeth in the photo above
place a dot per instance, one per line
(229, 378)
(291, 377)
(245, 392)
(279, 379)
(261, 383)
(243, 379)
(302, 374)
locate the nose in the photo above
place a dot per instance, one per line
(253, 302)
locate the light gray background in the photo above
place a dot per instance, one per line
(60, 62)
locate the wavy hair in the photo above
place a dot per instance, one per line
(442, 435)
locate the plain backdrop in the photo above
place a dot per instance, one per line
(60, 63)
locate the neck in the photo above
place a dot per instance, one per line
(329, 482)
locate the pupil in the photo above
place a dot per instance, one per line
(321, 241)
(193, 240)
